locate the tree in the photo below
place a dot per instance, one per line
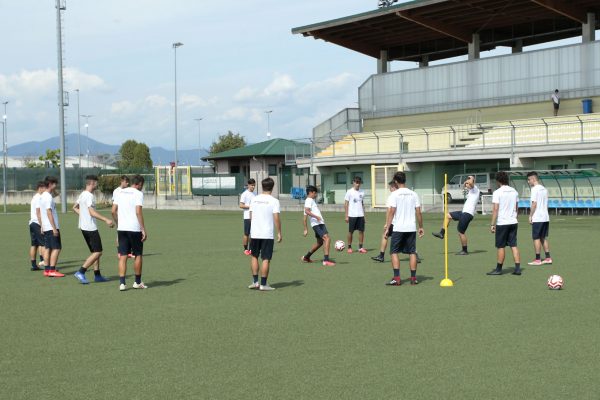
(227, 142)
(134, 155)
(126, 152)
(50, 159)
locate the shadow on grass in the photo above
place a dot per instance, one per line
(281, 285)
(154, 284)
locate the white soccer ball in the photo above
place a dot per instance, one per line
(555, 282)
(340, 245)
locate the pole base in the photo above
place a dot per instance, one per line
(446, 283)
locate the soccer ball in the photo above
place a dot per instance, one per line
(340, 245)
(555, 282)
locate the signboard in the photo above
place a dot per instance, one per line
(213, 182)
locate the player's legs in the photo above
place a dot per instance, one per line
(394, 250)
(349, 241)
(500, 255)
(455, 215)
(137, 265)
(326, 244)
(266, 255)
(361, 240)
(92, 260)
(122, 268)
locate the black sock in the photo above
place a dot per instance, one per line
(360, 246)
(548, 254)
(397, 273)
(47, 267)
(381, 254)
(82, 270)
(443, 231)
(350, 246)
(33, 264)
(537, 256)
(42, 258)
(326, 257)
(255, 278)
(96, 272)
(413, 274)
(263, 281)
(245, 247)
(498, 267)
(138, 279)
(122, 280)
(464, 248)
(53, 268)
(517, 265)
(307, 256)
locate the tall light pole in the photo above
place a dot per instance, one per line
(61, 6)
(199, 141)
(87, 134)
(78, 130)
(4, 140)
(175, 46)
(268, 112)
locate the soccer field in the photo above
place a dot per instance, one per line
(325, 333)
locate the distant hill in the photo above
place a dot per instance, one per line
(159, 155)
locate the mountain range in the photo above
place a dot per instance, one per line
(160, 155)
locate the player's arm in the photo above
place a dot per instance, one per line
(99, 216)
(38, 213)
(140, 217)
(495, 207)
(346, 203)
(304, 220)
(243, 206)
(532, 210)
(311, 214)
(277, 226)
(390, 215)
(114, 212)
(76, 208)
(420, 221)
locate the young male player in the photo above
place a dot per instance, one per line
(85, 207)
(504, 222)
(463, 217)
(355, 214)
(264, 213)
(388, 230)
(245, 200)
(311, 210)
(127, 212)
(35, 229)
(539, 218)
(124, 184)
(51, 228)
(404, 237)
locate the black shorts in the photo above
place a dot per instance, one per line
(93, 241)
(356, 224)
(556, 105)
(130, 243)
(463, 218)
(262, 248)
(540, 230)
(52, 242)
(37, 238)
(247, 224)
(506, 235)
(403, 242)
(320, 231)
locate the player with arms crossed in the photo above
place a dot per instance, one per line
(264, 213)
(355, 214)
(85, 208)
(311, 210)
(504, 223)
(127, 212)
(463, 217)
(404, 237)
(35, 229)
(539, 218)
(51, 228)
(245, 200)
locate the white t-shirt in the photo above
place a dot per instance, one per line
(391, 200)
(47, 203)
(262, 208)
(507, 198)
(314, 208)
(355, 203)
(539, 194)
(35, 204)
(406, 201)
(116, 193)
(127, 200)
(555, 98)
(246, 199)
(471, 201)
(86, 221)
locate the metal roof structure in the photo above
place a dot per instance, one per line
(269, 148)
(438, 29)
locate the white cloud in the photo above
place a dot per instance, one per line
(123, 108)
(190, 101)
(45, 81)
(245, 93)
(280, 86)
(155, 100)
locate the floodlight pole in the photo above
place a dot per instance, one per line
(61, 108)
(4, 140)
(199, 141)
(175, 46)
(87, 140)
(268, 112)
(78, 130)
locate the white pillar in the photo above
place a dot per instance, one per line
(474, 47)
(382, 62)
(588, 30)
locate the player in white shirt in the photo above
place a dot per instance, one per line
(311, 210)
(355, 214)
(505, 201)
(404, 215)
(51, 228)
(264, 213)
(85, 208)
(127, 213)
(35, 229)
(463, 217)
(539, 218)
(245, 200)
(387, 230)
(555, 101)
(124, 184)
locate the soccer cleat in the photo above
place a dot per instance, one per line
(55, 274)
(100, 278)
(328, 264)
(414, 281)
(253, 285)
(265, 288)
(495, 272)
(306, 260)
(462, 253)
(46, 272)
(439, 235)
(394, 282)
(378, 259)
(517, 271)
(535, 262)
(547, 261)
(247, 252)
(41, 264)
(122, 287)
(81, 277)
(139, 285)
(350, 250)
(362, 250)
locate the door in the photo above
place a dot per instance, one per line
(286, 179)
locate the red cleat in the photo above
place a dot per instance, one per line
(362, 250)
(350, 250)
(46, 272)
(306, 260)
(55, 274)
(328, 264)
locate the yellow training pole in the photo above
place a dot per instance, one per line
(446, 282)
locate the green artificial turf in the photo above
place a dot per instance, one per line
(325, 333)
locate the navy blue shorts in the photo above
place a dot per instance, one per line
(464, 219)
(93, 241)
(262, 248)
(130, 243)
(320, 231)
(506, 235)
(247, 224)
(403, 242)
(356, 224)
(52, 242)
(37, 238)
(540, 230)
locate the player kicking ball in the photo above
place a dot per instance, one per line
(311, 210)
(85, 208)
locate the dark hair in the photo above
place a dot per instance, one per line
(357, 179)
(124, 178)
(392, 184)
(251, 181)
(311, 189)
(556, 91)
(41, 184)
(137, 180)
(400, 177)
(50, 179)
(91, 178)
(502, 178)
(532, 173)
(267, 184)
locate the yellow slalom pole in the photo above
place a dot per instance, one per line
(446, 282)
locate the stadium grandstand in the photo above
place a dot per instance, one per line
(467, 113)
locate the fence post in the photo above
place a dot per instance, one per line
(547, 133)
(581, 127)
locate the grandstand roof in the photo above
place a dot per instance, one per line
(270, 148)
(443, 28)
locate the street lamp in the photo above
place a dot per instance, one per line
(4, 140)
(199, 142)
(78, 130)
(175, 46)
(87, 141)
(268, 123)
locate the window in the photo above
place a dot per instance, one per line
(340, 178)
(556, 167)
(299, 171)
(234, 169)
(587, 165)
(272, 169)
